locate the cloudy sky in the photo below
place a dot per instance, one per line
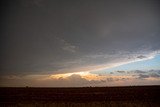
(67, 43)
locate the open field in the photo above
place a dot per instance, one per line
(136, 96)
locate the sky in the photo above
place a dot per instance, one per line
(78, 43)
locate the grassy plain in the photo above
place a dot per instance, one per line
(131, 96)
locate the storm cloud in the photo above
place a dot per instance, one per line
(52, 37)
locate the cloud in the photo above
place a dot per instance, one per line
(32, 3)
(142, 76)
(111, 73)
(149, 75)
(121, 71)
(141, 57)
(66, 46)
(154, 75)
(76, 80)
(154, 71)
(69, 48)
(62, 37)
(38, 2)
(139, 71)
(110, 79)
(145, 71)
(80, 79)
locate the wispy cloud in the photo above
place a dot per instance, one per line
(66, 46)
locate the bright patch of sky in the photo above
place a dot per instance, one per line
(149, 64)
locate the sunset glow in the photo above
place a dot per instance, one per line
(76, 43)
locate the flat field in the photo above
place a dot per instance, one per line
(131, 96)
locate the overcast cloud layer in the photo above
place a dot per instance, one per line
(61, 36)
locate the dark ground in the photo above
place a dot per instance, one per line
(144, 95)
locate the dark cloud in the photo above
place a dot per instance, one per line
(154, 71)
(154, 75)
(110, 79)
(142, 76)
(45, 36)
(121, 71)
(139, 71)
(111, 73)
(141, 57)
